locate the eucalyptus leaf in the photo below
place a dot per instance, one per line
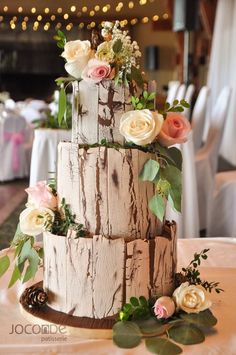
(16, 275)
(162, 346)
(4, 264)
(136, 75)
(126, 334)
(61, 105)
(175, 197)
(151, 326)
(203, 319)
(163, 187)
(186, 334)
(149, 170)
(25, 251)
(117, 46)
(157, 206)
(173, 175)
(32, 268)
(176, 156)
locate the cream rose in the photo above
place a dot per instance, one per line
(77, 54)
(191, 298)
(33, 220)
(140, 126)
(105, 52)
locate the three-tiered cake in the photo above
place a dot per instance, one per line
(128, 252)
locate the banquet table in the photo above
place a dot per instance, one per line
(220, 266)
(44, 153)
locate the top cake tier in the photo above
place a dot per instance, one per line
(97, 109)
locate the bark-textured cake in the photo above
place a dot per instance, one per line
(126, 254)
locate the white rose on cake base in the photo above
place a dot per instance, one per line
(141, 127)
(34, 221)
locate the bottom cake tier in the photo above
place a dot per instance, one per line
(95, 277)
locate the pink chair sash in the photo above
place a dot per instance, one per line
(17, 138)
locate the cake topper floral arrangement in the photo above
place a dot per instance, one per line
(113, 55)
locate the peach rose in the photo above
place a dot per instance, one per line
(77, 54)
(164, 307)
(175, 129)
(95, 71)
(41, 196)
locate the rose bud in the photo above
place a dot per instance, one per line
(164, 307)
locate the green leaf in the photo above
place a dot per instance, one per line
(16, 275)
(62, 105)
(185, 104)
(157, 206)
(162, 346)
(175, 198)
(134, 301)
(32, 267)
(172, 175)
(203, 319)
(133, 100)
(149, 170)
(163, 187)
(150, 106)
(4, 264)
(151, 326)
(143, 301)
(145, 95)
(25, 252)
(139, 106)
(175, 102)
(41, 253)
(126, 335)
(117, 46)
(136, 75)
(152, 96)
(127, 307)
(176, 156)
(186, 334)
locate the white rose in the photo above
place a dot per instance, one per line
(105, 52)
(77, 54)
(34, 221)
(191, 298)
(141, 126)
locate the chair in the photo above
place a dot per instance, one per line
(12, 152)
(172, 91)
(181, 92)
(221, 216)
(189, 97)
(206, 159)
(198, 117)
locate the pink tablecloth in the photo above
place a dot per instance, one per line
(221, 266)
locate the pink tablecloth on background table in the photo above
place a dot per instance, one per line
(221, 266)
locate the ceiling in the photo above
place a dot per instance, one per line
(84, 10)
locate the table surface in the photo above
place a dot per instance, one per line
(221, 266)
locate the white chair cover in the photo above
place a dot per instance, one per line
(207, 158)
(181, 92)
(221, 216)
(189, 97)
(37, 104)
(12, 151)
(188, 220)
(44, 153)
(172, 91)
(198, 117)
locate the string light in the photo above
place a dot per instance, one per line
(20, 9)
(73, 8)
(131, 5)
(5, 9)
(46, 10)
(145, 19)
(59, 10)
(165, 16)
(155, 18)
(97, 8)
(53, 18)
(39, 18)
(81, 25)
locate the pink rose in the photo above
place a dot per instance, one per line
(164, 307)
(174, 130)
(96, 70)
(41, 196)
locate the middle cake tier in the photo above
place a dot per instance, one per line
(103, 189)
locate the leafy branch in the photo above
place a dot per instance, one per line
(137, 308)
(61, 39)
(192, 274)
(177, 106)
(146, 101)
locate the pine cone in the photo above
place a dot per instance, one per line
(34, 297)
(179, 279)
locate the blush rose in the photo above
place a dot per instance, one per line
(41, 195)
(164, 307)
(96, 70)
(175, 130)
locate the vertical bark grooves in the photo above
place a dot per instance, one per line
(95, 277)
(103, 189)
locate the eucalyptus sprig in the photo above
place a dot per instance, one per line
(137, 308)
(177, 106)
(146, 101)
